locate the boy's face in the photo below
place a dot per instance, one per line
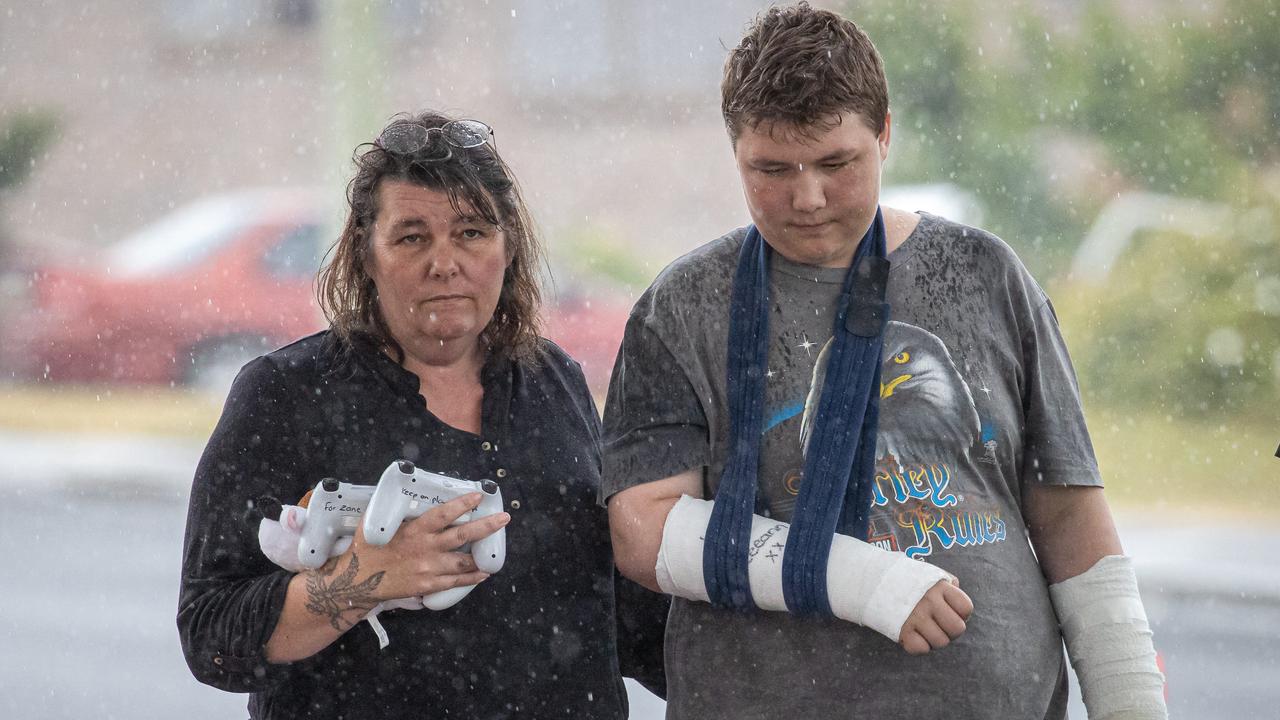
(813, 198)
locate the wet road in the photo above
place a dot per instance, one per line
(90, 591)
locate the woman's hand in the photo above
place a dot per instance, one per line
(422, 556)
(420, 559)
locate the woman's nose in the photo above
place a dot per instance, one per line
(443, 262)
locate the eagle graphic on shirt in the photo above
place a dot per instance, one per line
(928, 422)
(925, 405)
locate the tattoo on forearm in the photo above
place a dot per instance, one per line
(331, 596)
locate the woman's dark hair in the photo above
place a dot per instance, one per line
(476, 177)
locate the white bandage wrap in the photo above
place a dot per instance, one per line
(1109, 642)
(866, 585)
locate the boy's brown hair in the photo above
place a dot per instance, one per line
(801, 66)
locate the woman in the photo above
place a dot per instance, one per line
(432, 355)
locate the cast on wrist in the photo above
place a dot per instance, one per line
(865, 584)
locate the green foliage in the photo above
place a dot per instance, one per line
(594, 261)
(1163, 465)
(1176, 101)
(1186, 327)
(23, 138)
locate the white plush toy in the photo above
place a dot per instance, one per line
(279, 542)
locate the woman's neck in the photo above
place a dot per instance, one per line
(449, 381)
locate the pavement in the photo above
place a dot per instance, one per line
(1175, 554)
(1210, 583)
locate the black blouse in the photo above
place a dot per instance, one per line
(538, 639)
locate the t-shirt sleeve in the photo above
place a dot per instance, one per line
(1056, 445)
(654, 424)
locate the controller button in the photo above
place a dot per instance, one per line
(489, 487)
(515, 504)
(502, 472)
(329, 484)
(406, 467)
(486, 446)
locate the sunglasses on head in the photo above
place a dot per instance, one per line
(408, 138)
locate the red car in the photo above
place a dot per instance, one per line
(190, 298)
(182, 301)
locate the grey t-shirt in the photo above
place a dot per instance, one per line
(978, 398)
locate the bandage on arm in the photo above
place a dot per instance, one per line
(1109, 642)
(866, 585)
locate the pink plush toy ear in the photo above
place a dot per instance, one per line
(291, 518)
(279, 538)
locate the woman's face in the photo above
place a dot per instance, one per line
(438, 273)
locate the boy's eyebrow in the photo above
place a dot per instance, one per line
(838, 155)
(766, 161)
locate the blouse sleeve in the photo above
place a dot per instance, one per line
(231, 595)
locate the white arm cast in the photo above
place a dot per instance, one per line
(866, 585)
(1109, 642)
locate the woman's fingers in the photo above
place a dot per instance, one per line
(443, 515)
(475, 530)
(448, 582)
(455, 570)
(420, 559)
(456, 564)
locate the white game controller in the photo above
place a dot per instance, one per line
(333, 513)
(405, 492)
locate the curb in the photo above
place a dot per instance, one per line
(106, 464)
(1231, 585)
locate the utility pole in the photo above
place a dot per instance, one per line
(355, 83)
